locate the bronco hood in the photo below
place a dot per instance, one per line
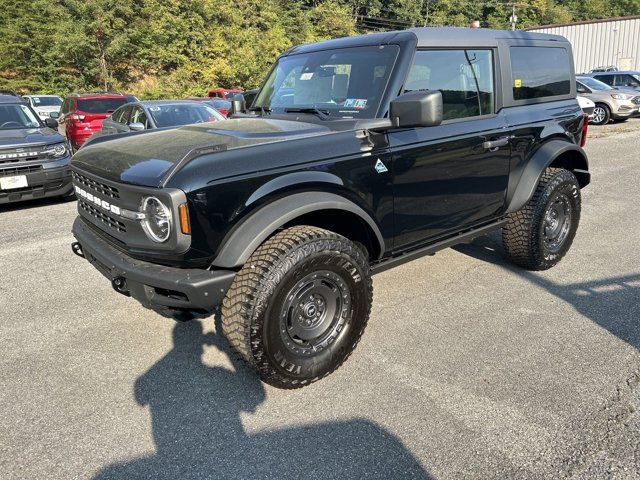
(146, 158)
(24, 137)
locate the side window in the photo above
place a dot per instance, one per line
(580, 88)
(138, 116)
(118, 114)
(608, 79)
(540, 72)
(465, 78)
(626, 80)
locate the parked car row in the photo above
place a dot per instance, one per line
(610, 103)
(39, 133)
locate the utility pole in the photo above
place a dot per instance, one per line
(426, 19)
(514, 18)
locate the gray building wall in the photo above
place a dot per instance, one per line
(614, 41)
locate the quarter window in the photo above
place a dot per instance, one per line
(465, 78)
(540, 72)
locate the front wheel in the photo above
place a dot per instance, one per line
(298, 307)
(537, 236)
(601, 114)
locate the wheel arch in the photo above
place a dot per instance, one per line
(318, 209)
(554, 153)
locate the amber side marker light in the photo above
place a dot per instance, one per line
(184, 219)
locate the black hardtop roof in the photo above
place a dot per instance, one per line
(430, 37)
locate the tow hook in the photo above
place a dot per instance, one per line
(77, 249)
(119, 284)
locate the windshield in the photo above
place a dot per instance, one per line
(636, 76)
(100, 105)
(46, 101)
(174, 115)
(14, 117)
(346, 82)
(594, 84)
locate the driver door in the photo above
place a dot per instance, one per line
(452, 176)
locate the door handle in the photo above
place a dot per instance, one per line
(494, 145)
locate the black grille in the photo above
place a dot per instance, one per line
(103, 217)
(636, 100)
(8, 172)
(22, 154)
(99, 187)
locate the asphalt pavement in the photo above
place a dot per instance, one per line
(469, 368)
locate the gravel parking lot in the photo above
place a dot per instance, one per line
(469, 368)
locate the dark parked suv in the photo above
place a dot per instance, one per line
(34, 159)
(358, 154)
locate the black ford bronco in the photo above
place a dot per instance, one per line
(357, 155)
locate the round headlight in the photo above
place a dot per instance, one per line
(57, 150)
(157, 219)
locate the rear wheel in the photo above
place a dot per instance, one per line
(538, 235)
(601, 114)
(298, 307)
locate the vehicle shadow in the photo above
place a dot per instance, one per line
(195, 416)
(613, 303)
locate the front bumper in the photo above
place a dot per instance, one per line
(169, 291)
(51, 180)
(625, 110)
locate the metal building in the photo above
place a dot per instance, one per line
(612, 41)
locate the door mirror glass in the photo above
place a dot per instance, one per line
(54, 114)
(238, 104)
(136, 126)
(417, 109)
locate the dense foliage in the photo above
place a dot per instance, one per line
(174, 48)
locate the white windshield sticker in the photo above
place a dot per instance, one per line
(154, 109)
(359, 103)
(306, 76)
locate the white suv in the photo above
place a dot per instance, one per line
(44, 105)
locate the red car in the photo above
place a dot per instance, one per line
(224, 93)
(82, 114)
(219, 104)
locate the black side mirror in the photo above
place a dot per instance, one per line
(238, 104)
(51, 123)
(417, 109)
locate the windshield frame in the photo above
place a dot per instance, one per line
(30, 109)
(339, 111)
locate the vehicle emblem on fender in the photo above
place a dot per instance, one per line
(381, 167)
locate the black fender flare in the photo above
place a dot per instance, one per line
(243, 240)
(539, 161)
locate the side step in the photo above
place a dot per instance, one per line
(462, 237)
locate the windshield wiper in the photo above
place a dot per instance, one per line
(323, 114)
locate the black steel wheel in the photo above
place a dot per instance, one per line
(298, 307)
(537, 236)
(557, 222)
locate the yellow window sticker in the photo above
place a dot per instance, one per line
(517, 83)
